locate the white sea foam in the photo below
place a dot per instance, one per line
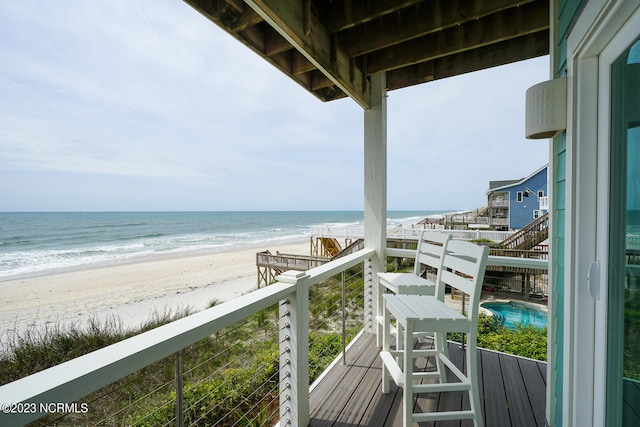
(39, 243)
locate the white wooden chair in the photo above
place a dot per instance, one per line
(463, 268)
(429, 253)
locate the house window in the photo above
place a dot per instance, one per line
(519, 196)
(540, 194)
(536, 214)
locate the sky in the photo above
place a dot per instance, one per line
(146, 105)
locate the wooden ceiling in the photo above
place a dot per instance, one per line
(330, 47)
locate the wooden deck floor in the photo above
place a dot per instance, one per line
(512, 391)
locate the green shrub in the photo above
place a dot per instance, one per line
(526, 341)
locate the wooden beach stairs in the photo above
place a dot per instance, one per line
(271, 265)
(323, 249)
(529, 236)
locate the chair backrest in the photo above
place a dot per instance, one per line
(463, 268)
(431, 249)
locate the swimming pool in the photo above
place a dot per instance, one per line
(510, 314)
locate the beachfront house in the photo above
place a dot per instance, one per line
(512, 204)
(588, 114)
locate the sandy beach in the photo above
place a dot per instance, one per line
(131, 291)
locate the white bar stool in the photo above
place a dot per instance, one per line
(463, 269)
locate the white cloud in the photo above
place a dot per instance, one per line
(148, 105)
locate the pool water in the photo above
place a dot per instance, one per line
(510, 314)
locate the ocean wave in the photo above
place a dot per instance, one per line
(119, 225)
(42, 242)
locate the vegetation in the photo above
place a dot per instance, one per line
(482, 240)
(38, 348)
(230, 378)
(526, 341)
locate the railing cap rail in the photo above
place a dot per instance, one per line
(78, 377)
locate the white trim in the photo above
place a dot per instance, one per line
(620, 42)
(552, 347)
(597, 31)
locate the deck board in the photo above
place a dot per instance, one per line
(535, 383)
(515, 390)
(332, 395)
(512, 391)
(496, 411)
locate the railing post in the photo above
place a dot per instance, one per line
(344, 322)
(179, 391)
(371, 303)
(294, 352)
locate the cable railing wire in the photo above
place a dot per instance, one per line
(232, 349)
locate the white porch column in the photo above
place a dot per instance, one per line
(375, 192)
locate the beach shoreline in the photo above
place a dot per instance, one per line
(132, 291)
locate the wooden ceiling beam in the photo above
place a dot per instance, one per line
(254, 36)
(510, 23)
(248, 18)
(303, 30)
(341, 15)
(506, 52)
(411, 75)
(319, 81)
(418, 21)
(300, 64)
(275, 43)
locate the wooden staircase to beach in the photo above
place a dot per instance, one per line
(328, 246)
(271, 265)
(529, 236)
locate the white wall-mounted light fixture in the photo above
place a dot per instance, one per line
(546, 109)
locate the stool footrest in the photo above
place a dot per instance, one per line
(416, 353)
(441, 416)
(425, 375)
(441, 388)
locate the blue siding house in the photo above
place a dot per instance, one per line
(515, 203)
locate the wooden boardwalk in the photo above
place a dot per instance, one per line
(512, 391)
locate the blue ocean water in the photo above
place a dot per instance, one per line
(35, 243)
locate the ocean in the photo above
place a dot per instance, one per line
(39, 243)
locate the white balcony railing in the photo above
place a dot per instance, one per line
(409, 233)
(72, 380)
(79, 377)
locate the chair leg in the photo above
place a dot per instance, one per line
(407, 396)
(472, 374)
(442, 347)
(380, 312)
(400, 343)
(386, 345)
